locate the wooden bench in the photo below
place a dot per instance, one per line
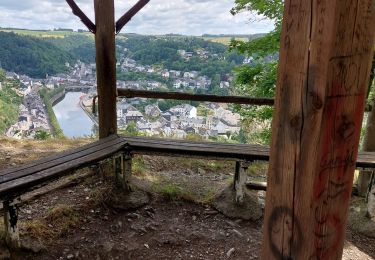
(18, 180)
(243, 154)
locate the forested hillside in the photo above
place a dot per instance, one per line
(80, 46)
(38, 54)
(151, 50)
(32, 56)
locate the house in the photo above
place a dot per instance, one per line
(177, 84)
(224, 84)
(11, 75)
(153, 85)
(152, 111)
(175, 73)
(165, 74)
(133, 116)
(184, 110)
(191, 74)
(123, 108)
(181, 52)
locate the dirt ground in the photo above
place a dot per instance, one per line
(76, 221)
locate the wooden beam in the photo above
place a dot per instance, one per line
(106, 66)
(129, 14)
(326, 49)
(131, 93)
(78, 12)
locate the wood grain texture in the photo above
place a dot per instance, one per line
(106, 66)
(326, 48)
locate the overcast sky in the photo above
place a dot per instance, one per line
(189, 17)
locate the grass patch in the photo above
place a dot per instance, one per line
(57, 223)
(171, 191)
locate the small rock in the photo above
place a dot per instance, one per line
(147, 246)
(230, 252)
(194, 218)
(201, 171)
(238, 233)
(70, 256)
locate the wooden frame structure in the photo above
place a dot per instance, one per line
(326, 49)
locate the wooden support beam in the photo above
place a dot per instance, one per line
(326, 49)
(132, 93)
(129, 14)
(106, 66)
(78, 12)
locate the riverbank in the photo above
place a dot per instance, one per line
(50, 98)
(88, 112)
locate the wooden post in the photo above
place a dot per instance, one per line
(12, 237)
(122, 165)
(240, 178)
(106, 66)
(326, 49)
(127, 170)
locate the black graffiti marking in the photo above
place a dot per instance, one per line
(329, 162)
(347, 128)
(279, 217)
(337, 189)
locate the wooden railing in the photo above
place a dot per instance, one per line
(132, 93)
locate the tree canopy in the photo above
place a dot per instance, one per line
(258, 77)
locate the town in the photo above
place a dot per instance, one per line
(178, 121)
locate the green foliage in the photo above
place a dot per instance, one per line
(31, 56)
(80, 46)
(41, 135)
(47, 95)
(130, 130)
(9, 103)
(171, 191)
(133, 76)
(272, 9)
(259, 78)
(2, 75)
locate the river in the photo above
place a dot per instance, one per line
(72, 119)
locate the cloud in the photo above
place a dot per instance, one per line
(190, 17)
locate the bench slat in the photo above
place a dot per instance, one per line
(24, 183)
(197, 145)
(53, 161)
(58, 155)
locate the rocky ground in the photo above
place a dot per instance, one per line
(76, 219)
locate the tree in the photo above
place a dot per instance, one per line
(258, 77)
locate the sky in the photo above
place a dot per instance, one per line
(188, 17)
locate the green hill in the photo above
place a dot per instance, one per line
(32, 56)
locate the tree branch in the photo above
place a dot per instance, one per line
(78, 12)
(129, 15)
